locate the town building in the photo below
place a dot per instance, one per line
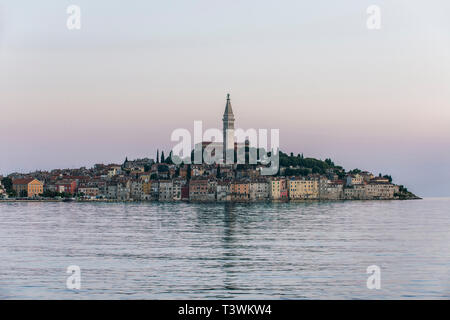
(381, 191)
(259, 190)
(334, 190)
(178, 185)
(66, 186)
(240, 190)
(278, 188)
(355, 192)
(124, 191)
(28, 187)
(301, 188)
(198, 190)
(165, 190)
(136, 190)
(353, 179)
(89, 191)
(223, 191)
(111, 192)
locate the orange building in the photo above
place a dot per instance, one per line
(33, 187)
(240, 190)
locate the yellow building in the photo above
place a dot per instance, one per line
(303, 189)
(31, 186)
(278, 189)
(146, 186)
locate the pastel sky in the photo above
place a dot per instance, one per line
(371, 99)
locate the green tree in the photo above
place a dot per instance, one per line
(50, 194)
(218, 172)
(168, 160)
(24, 194)
(317, 169)
(188, 173)
(329, 162)
(7, 183)
(162, 156)
(340, 174)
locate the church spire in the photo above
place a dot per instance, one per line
(228, 133)
(228, 114)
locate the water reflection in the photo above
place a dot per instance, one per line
(181, 250)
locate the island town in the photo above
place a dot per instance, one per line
(163, 179)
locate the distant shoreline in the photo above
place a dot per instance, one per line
(204, 202)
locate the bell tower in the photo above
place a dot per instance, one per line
(228, 133)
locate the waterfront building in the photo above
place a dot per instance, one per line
(165, 190)
(185, 192)
(29, 186)
(259, 190)
(302, 188)
(223, 191)
(154, 190)
(136, 190)
(212, 188)
(111, 191)
(375, 190)
(178, 185)
(334, 190)
(278, 188)
(124, 190)
(355, 192)
(198, 190)
(146, 186)
(240, 190)
(66, 186)
(89, 191)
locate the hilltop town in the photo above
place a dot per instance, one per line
(296, 179)
(146, 179)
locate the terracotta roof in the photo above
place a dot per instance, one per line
(22, 181)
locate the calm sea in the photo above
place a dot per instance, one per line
(236, 251)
